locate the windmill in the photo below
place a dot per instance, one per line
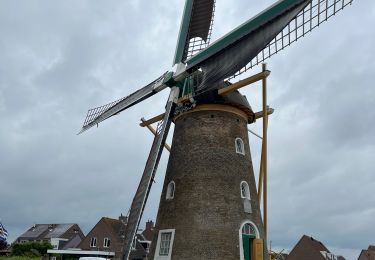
(209, 199)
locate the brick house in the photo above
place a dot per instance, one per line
(108, 235)
(61, 236)
(148, 233)
(309, 248)
(368, 254)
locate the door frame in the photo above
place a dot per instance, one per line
(257, 236)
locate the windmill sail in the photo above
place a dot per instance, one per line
(195, 30)
(314, 14)
(96, 115)
(145, 184)
(233, 51)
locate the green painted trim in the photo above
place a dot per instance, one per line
(184, 30)
(242, 30)
(170, 82)
(247, 246)
(168, 79)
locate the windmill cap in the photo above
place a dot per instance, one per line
(234, 99)
(240, 101)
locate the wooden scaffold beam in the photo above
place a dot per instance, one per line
(152, 130)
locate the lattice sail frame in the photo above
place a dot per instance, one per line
(94, 114)
(197, 44)
(317, 12)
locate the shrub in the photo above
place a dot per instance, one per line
(31, 249)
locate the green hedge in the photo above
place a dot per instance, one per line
(30, 249)
(18, 258)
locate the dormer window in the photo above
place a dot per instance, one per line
(93, 242)
(245, 191)
(170, 190)
(50, 228)
(240, 148)
(106, 242)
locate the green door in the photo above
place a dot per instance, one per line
(246, 243)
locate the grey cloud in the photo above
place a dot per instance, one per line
(59, 58)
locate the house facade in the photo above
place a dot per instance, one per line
(108, 236)
(309, 248)
(60, 236)
(368, 254)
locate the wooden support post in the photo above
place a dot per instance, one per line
(264, 151)
(151, 120)
(166, 146)
(270, 253)
(260, 180)
(184, 99)
(260, 114)
(160, 117)
(242, 83)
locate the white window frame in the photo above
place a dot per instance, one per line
(157, 253)
(257, 236)
(240, 150)
(106, 242)
(93, 242)
(247, 190)
(170, 194)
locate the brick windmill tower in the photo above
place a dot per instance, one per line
(209, 206)
(209, 191)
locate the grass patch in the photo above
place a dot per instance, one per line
(18, 258)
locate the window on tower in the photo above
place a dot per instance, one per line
(170, 190)
(245, 191)
(240, 148)
(249, 229)
(164, 244)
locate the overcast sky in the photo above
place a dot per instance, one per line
(59, 58)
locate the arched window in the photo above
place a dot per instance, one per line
(245, 191)
(240, 148)
(170, 190)
(249, 229)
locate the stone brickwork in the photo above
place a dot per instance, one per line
(207, 210)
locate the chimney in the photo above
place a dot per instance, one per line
(149, 225)
(123, 219)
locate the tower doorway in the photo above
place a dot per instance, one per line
(251, 246)
(247, 241)
(248, 235)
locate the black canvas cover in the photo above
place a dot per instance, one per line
(235, 56)
(201, 19)
(198, 29)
